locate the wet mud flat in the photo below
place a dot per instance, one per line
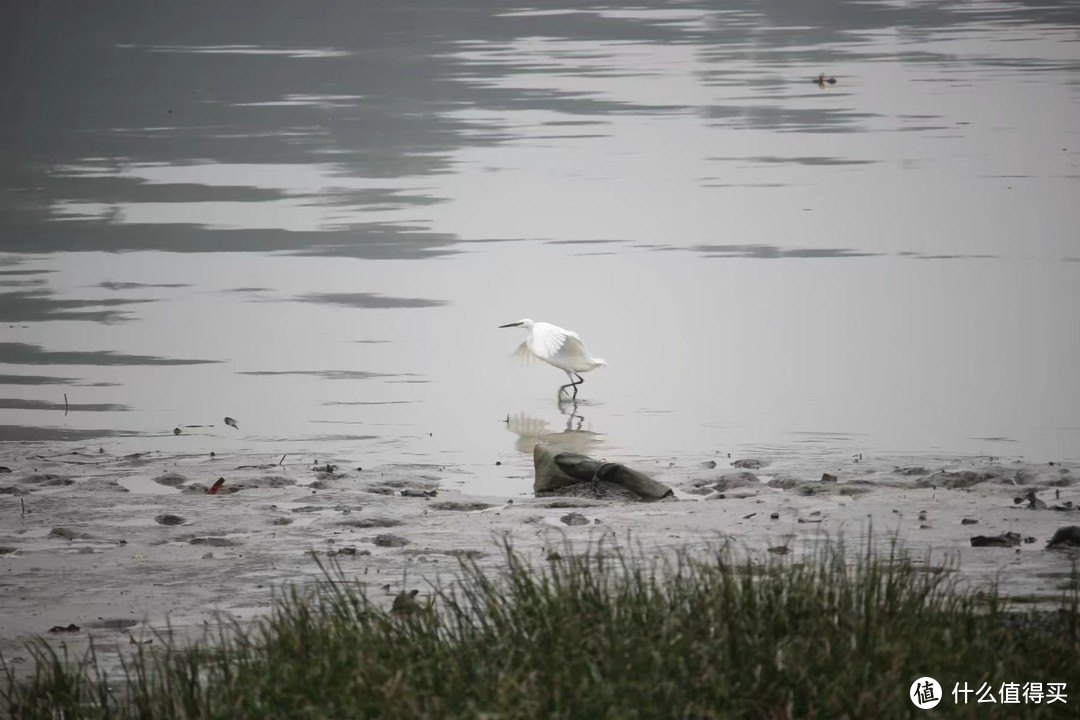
(110, 547)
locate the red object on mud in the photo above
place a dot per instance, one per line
(212, 490)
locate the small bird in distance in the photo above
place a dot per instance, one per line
(821, 81)
(557, 347)
(232, 423)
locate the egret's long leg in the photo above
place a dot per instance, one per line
(572, 383)
(580, 380)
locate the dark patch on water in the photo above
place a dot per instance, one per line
(28, 433)
(36, 380)
(369, 301)
(810, 160)
(24, 272)
(325, 374)
(20, 404)
(581, 242)
(136, 285)
(783, 118)
(771, 252)
(371, 402)
(24, 354)
(920, 256)
(39, 305)
(31, 282)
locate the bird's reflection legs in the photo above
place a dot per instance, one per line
(571, 415)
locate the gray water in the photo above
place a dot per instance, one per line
(312, 217)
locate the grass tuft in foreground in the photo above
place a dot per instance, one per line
(599, 635)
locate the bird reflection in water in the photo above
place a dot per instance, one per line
(532, 430)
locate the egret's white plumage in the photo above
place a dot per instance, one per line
(557, 347)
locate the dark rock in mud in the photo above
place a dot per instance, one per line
(113, 624)
(749, 464)
(215, 541)
(732, 480)
(827, 478)
(268, 481)
(172, 479)
(557, 471)
(709, 464)
(5, 550)
(418, 492)
(4, 469)
(167, 519)
(1006, 539)
(911, 471)
(727, 481)
(451, 553)
(1059, 477)
(568, 504)
(47, 480)
(785, 482)
(67, 534)
(1034, 503)
(574, 519)
(701, 486)
(11, 490)
(282, 521)
(390, 541)
(410, 486)
(830, 488)
(1065, 537)
(969, 521)
(272, 481)
(69, 628)
(367, 523)
(309, 509)
(460, 506)
(956, 480)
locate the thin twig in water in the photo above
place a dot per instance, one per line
(282, 459)
(65, 404)
(22, 503)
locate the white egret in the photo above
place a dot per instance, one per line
(557, 347)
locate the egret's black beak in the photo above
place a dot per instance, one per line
(517, 324)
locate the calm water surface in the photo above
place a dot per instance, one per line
(312, 217)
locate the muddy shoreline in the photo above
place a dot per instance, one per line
(118, 544)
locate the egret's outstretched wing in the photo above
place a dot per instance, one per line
(548, 340)
(523, 354)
